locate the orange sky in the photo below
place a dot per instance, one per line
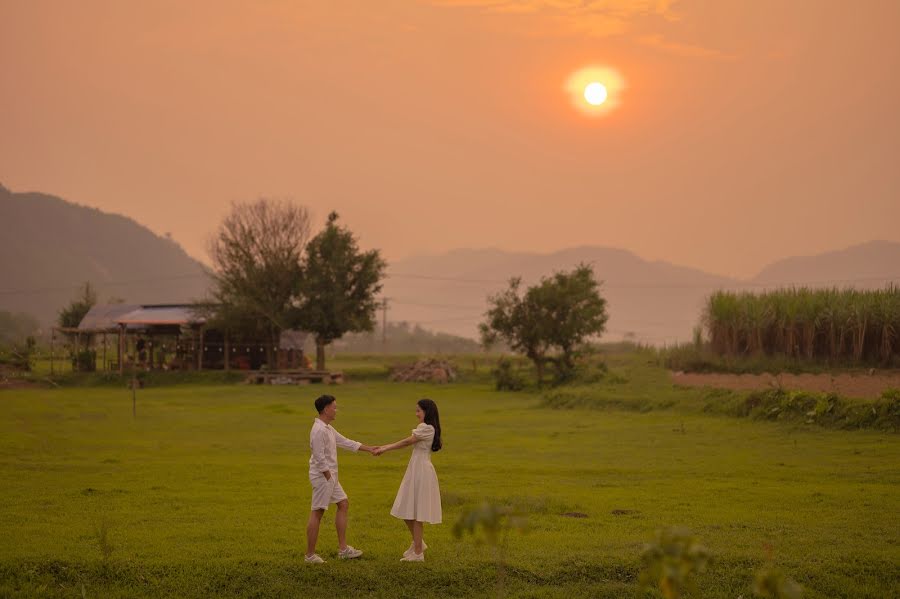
(748, 130)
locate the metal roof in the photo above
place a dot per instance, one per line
(110, 316)
(162, 315)
(105, 316)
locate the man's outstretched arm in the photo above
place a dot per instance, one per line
(345, 443)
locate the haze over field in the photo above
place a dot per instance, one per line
(743, 132)
(49, 247)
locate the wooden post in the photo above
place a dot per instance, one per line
(105, 363)
(52, 335)
(227, 361)
(200, 351)
(121, 349)
(150, 349)
(384, 306)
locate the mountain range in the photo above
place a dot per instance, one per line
(48, 247)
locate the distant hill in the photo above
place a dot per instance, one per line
(49, 247)
(869, 264)
(651, 301)
(655, 302)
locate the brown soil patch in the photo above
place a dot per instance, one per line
(864, 386)
(6, 383)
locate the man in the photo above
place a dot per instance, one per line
(323, 475)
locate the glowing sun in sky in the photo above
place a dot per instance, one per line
(595, 91)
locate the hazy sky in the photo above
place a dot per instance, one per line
(748, 130)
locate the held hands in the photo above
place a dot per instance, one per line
(377, 451)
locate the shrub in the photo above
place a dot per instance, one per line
(507, 378)
(85, 360)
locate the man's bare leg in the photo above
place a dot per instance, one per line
(312, 530)
(340, 522)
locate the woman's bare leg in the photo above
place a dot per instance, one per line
(418, 531)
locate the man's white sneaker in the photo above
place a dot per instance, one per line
(349, 553)
(314, 559)
(414, 557)
(412, 547)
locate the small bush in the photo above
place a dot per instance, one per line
(825, 409)
(18, 356)
(85, 361)
(506, 377)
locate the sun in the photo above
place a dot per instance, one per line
(595, 93)
(595, 90)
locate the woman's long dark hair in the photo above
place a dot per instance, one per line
(432, 418)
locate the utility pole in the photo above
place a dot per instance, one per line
(384, 309)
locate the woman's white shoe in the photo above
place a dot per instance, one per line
(414, 557)
(412, 547)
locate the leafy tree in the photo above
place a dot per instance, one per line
(549, 321)
(71, 315)
(257, 256)
(338, 287)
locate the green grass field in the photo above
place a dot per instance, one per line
(205, 493)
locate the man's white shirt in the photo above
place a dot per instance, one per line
(323, 444)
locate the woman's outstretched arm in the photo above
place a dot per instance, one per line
(398, 445)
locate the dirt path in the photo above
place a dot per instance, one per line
(867, 386)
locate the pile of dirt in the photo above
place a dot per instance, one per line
(425, 371)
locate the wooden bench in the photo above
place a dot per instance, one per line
(294, 377)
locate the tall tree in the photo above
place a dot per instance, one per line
(337, 292)
(257, 256)
(71, 315)
(549, 321)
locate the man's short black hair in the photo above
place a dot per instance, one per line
(323, 401)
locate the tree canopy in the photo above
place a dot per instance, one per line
(338, 287)
(548, 321)
(71, 315)
(257, 255)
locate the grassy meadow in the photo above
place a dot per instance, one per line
(205, 492)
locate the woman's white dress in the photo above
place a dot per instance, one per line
(419, 497)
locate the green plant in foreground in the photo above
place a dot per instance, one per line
(672, 560)
(496, 521)
(775, 584)
(101, 532)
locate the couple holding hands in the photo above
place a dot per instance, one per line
(418, 500)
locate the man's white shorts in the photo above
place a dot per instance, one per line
(326, 492)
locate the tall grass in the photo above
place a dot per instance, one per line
(832, 325)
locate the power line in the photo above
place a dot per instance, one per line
(605, 284)
(452, 279)
(103, 284)
(426, 305)
(651, 285)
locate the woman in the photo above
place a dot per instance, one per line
(419, 498)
